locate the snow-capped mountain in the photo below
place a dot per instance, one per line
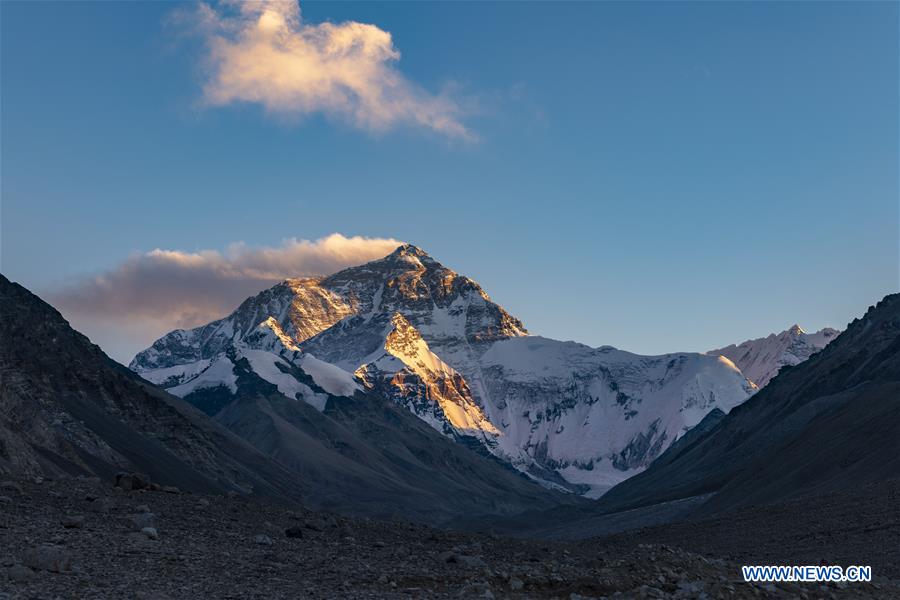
(572, 416)
(761, 359)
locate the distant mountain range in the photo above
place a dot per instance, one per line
(405, 327)
(830, 423)
(761, 359)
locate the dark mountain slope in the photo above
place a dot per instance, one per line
(67, 409)
(830, 423)
(367, 455)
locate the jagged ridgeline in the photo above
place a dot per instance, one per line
(409, 329)
(762, 359)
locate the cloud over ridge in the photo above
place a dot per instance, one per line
(264, 53)
(152, 293)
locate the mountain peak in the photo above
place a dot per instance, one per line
(795, 329)
(404, 258)
(408, 250)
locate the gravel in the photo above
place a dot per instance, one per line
(240, 547)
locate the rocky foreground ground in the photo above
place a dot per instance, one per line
(85, 538)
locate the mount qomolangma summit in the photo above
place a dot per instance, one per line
(405, 326)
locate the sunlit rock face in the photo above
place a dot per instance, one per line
(573, 417)
(406, 370)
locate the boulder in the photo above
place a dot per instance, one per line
(19, 573)
(144, 519)
(102, 505)
(11, 487)
(471, 562)
(123, 481)
(47, 557)
(72, 521)
(132, 481)
(316, 524)
(461, 559)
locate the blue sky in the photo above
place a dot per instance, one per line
(655, 176)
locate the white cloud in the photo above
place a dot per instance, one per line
(126, 308)
(264, 53)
